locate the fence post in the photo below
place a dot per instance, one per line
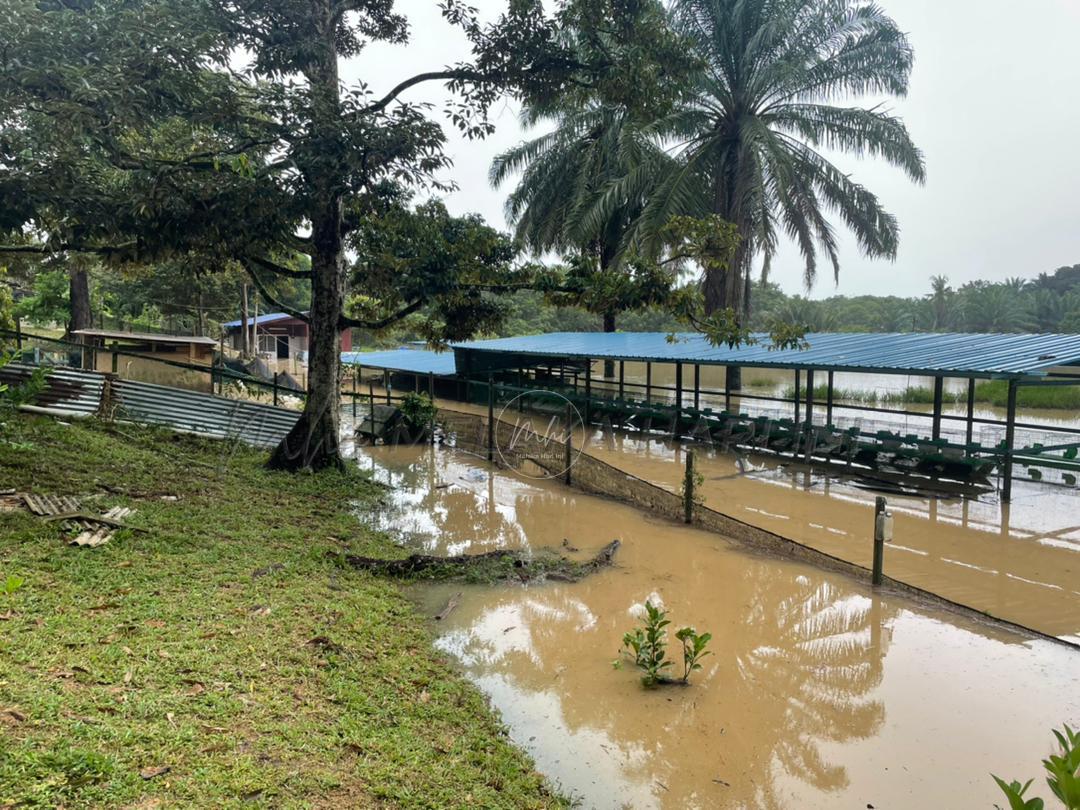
(688, 488)
(276, 389)
(569, 440)
(880, 505)
(491, 418)
(431, 396)
(371, 409)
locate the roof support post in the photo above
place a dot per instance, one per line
(491, 418)
(678, 399)
(829, 399)
(622, 378)
(798, 396)
(416, 383)
(810, 395)
(969, 432)
(939, 390)
(697, 386)
(727, 391)
(588, 386)
(521, 390)
(386, 383)
(1010, 440)
(648, 381)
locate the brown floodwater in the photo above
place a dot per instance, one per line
(1018, 561)
(819, 693)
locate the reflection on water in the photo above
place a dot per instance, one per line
(1018, 561)
(818, 694)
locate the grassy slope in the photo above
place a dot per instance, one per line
(304, 685)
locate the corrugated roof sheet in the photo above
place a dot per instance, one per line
(146, 337)
(980, 355)
(269, 317)
(412, 361)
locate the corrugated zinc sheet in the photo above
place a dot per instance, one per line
(269, 317)
(249, 422)
(980, 355)
(67, 390)
(412, 361)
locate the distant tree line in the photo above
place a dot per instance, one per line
(1049, 302)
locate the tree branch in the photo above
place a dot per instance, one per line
(47, 250)
(420, 78)
(273, 267)
(345, 321)
(270, 296)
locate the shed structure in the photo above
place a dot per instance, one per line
(1018, 359)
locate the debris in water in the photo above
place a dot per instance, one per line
(451, 603)
(567, 546)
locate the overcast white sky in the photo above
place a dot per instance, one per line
(994, 103)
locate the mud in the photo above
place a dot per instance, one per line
(819, 694)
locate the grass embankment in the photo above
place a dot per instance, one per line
(221, 658)
(991, 392)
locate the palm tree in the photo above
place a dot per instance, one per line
(940, 300)
(562, 175)
(748, 135)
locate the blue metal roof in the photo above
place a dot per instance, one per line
(959, 354)
(269, 317)
(413, 361)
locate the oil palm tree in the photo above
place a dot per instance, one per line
(770, 94)
(562, 174)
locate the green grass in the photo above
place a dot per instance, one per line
(222, 643)
(992, 392)
(996, 392)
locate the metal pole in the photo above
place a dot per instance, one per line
(491, 418)
(829, 400)
(276, 393)
(810, 396)
(386, 383)
(431, 396)
(355, 380)
(371, 408)
(1010, 438)
(880, 504)
(939, 388)
(688, 488)
(521, 390)
(622, 377)
(678, 398)
(569, 439)
(588, 387)
(648, 382)
(969, 433)
(697, 386)
(798, 397)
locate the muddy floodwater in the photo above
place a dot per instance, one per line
(818, 694)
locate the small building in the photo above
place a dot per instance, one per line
(280, 336)
(137, 355)
(179, 348)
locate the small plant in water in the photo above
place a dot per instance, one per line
(647, 647)
(1063, 777)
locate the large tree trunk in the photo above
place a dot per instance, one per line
(313, 443)
(609, 326)
(79, 293)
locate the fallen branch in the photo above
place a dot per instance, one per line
(495, 565)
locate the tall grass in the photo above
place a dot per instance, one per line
(996, 392)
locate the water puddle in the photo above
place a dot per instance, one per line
(819, 694)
